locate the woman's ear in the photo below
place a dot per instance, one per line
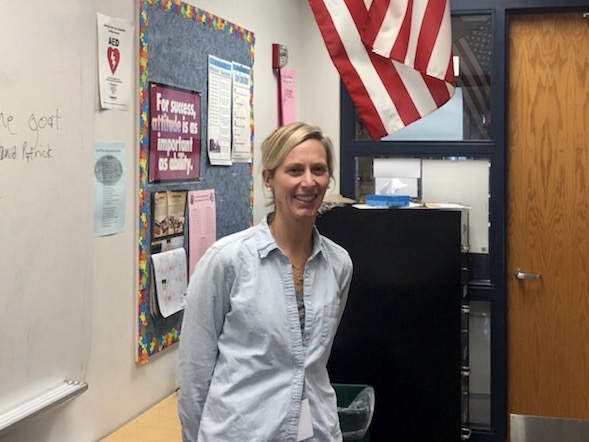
(267, 179)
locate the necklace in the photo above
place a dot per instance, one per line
(297, 272)
(298, 275)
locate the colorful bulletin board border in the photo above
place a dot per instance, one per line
(149, 346)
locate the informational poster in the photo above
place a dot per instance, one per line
(174, 134)
(109, 188)
(219, 112)
(202, 224)
(242, 129)
(115, 58)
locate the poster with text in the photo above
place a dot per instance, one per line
(288, 104)
(174, 134)
(219, 112)
(202, 224)
(242, 128)
(110, 188)
(115, 61)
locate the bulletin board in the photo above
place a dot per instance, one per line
(175, 42)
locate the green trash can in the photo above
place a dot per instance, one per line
(355, 407)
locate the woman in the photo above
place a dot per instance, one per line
(262, 310)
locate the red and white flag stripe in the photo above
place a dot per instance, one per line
(394, 57)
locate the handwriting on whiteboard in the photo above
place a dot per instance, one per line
(28, 139)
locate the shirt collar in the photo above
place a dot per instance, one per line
(266, 243)
(264, 238)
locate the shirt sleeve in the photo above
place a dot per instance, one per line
(207, 303)
(345, 282)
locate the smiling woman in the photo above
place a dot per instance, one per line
(298, 165)
(262, 310)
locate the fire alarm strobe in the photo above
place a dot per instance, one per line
(279, 56)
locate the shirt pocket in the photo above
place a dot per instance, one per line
(328, 321)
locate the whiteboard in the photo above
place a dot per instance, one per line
(46, 120)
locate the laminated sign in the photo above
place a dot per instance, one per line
(174, 134)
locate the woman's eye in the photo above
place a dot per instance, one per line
(294, 170)
(319, 170)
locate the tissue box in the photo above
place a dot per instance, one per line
(387, 200)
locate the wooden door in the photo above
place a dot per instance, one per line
(548, 215)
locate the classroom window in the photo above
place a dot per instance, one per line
(452, 180)
(467, 115)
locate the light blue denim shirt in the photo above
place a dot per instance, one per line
(244, 365)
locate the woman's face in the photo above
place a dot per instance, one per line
(300, 182)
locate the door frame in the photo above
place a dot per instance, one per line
(494, 290)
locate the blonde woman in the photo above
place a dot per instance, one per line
(263, 306)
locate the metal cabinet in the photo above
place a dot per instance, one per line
(403, 330)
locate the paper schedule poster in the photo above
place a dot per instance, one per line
(171, 282)
(202, 224)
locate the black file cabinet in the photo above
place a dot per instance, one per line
(401, 330)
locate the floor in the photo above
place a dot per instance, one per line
(159, 423)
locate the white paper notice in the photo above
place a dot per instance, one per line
(219, 112)
(171, 280)
(109, 188)
(115, 56)
(242, 131)
(202, 223)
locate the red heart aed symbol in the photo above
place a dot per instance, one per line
(113, 56)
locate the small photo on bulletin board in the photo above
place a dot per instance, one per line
(176, 41)
(169, 209)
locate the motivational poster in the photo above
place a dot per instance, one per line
(174, 134)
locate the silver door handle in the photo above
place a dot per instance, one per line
(527, 276)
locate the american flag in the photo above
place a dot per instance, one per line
(473, 48)
(394, 57)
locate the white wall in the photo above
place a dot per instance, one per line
(120, 389)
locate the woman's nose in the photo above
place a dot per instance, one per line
(308, 179)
